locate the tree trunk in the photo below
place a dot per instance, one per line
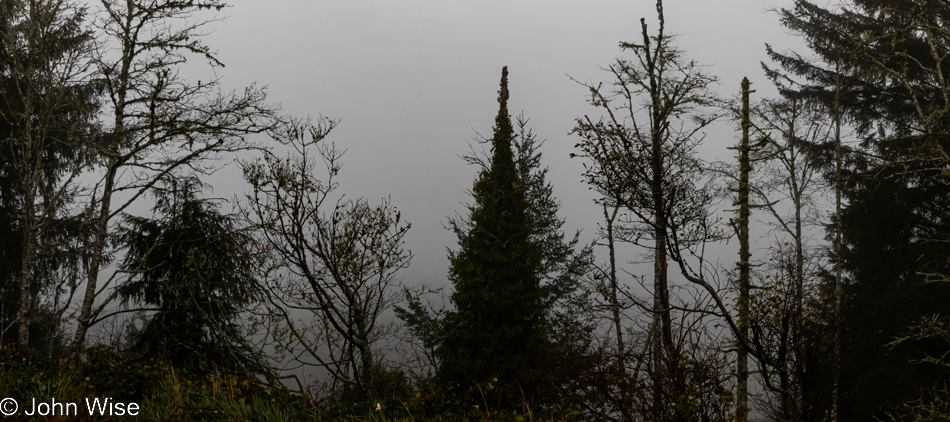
(26, 256)
(102, 226)
(838, 290)
(667, 356)
(86, 313)
(742, 227)
(614, 287)
(661, 290)
(795, 406)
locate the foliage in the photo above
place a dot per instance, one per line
(880, 64)
(48, 107)
(166, 393)
(190, 263)
(792, 335)
(158, 124)
(561, 270)
(563, 263)
(95, 116)
(162, 392)
(934, 407)
(496, 331)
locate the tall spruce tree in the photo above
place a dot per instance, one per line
(496, 332)
(880, 67)
(561, 271)
(563, 262)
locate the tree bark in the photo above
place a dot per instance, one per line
(742, 226)
(836, 114)
(29, 231)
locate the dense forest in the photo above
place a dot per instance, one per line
(804, 278)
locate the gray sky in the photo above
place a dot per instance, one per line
(413, 80)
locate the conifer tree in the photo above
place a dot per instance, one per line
(190, 262)
(564, 263)
(47, 105)
(561, 270)
(496, 331)
(879, 68)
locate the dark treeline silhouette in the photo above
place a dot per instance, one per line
(837, 193)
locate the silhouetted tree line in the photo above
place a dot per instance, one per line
(835, 310)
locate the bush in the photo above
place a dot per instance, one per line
(162, 391)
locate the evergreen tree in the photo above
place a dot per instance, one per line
(881, 68)
(563, 264)
(496, 331)
(47, 108)
(191, 264)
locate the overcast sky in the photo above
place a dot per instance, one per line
(413, 81)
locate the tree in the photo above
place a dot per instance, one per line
(561, 271)
(496, 331)
(563, 262)
(642, 155)
(880, 68)
(741, 224)
(47, 108)
(792, 313)
(337, 262)
(890, 231)
(935, 404)
(160, 122)
(191, 264)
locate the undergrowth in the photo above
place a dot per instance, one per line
(164, 393)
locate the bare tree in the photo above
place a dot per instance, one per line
(604, 392)
(160, 122)
(783, 327)
(642, 155)
(336, 259)
(741, 225)
(791, 325)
